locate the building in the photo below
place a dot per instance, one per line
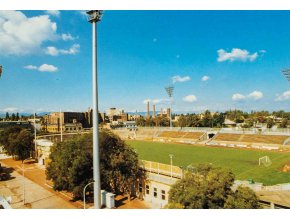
(116, 115)
(130, 125)
(69, 121)
(229, 123)
(43, 147)
(160, 178)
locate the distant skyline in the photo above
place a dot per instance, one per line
(216, 60)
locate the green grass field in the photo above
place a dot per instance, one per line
(243, 163)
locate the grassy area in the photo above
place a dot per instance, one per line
(243, 163)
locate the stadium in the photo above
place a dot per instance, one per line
(262, 157)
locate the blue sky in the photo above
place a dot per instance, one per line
(216, 60)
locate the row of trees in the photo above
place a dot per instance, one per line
(157, 121)
(13, 117)
(208, 119)
(17, 142)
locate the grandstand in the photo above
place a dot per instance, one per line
(204, 136)
(257, 141)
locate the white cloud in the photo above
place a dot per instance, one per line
(42, 68)
(53, 51)
(238, 97)
(283, 97)
(236, 55)
(256, 95)
(47, 68)
(67, 37)
(21, 35)
(156, 101)
(9, 109)
(176, 79)
(53, 13)
(30, 67)
(146, 100)
(205, 78)
(160, 101)
(190, 98)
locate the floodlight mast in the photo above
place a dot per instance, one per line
(286, 73)
(94, 16)
(169, 91)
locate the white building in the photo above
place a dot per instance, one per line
(43, 150)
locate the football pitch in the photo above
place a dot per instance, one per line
(243, 163)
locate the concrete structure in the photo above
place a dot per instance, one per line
(154, 111)
(69, 121)
(5, 202)
(110, 200)
(43, 150)
(116, 115)
(158, 183)
(131, 125)
(148, 110)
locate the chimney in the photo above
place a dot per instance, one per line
(168, 112)
(154, 111)
(148, 108)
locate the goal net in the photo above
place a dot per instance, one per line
(265, 161)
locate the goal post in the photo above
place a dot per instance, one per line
(265, 161)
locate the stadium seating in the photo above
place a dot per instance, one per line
(178, 135)
(251, 138)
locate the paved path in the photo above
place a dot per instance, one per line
(35, 195)
(39, 192)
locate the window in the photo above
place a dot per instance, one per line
(163, 194)
(155, 192)
(140, 188)
(147, 190)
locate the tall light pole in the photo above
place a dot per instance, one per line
(94, 17)
(286, 73)
(60, 124)
(35, 147)
(169, 91)
(1, 70)
(171, 156)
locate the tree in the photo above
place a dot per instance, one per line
(71, 166)
(140, 121)
(284, 123)
(13, 116)
(7, 117)
(17, 141)
(270, 123)
(242, 198)
(17, 116)
(206, 188)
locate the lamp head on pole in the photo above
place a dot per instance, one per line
(286, 73)
(169, 90)
(94, 15)
(0, 70)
